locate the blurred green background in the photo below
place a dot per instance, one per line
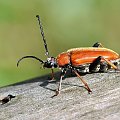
(67, 24)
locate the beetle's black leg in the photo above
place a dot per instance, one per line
(95, 65)
(97, 44)
(103, 67)
(61, 78)
(83, 81)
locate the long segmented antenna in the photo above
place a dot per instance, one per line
(30, 57)
(43, 36)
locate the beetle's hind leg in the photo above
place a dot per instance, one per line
(98, 66)
(95, 65)
(103, 67)
(97, 44)
(111, 64)
(83, 81)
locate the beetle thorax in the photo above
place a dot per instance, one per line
(50, 63)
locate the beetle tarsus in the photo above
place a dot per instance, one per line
(57, 92)
(87, 87)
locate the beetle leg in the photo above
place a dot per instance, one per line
(84, 82)
(97, 44)
(52, 74)
(111, 64)
(95, 64)
(61, 78)
(103, 67)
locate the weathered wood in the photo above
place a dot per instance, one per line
(33, 99)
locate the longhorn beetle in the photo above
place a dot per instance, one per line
(87, 59)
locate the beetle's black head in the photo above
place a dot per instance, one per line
(50, 63)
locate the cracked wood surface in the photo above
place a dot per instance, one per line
(33, 99)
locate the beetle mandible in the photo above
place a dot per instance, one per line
(87, 59)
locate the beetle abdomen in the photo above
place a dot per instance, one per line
(88, 55)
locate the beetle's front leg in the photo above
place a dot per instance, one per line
(61, 78)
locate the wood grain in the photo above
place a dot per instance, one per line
(33, 99)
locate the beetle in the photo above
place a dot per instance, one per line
(87, 59)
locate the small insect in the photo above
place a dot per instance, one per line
(7, 99)
(84, 59)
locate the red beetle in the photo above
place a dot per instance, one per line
(85, 59)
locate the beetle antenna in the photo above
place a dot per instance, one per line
(43, 36)
(30, 57)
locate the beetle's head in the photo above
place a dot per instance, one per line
(50, 63)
